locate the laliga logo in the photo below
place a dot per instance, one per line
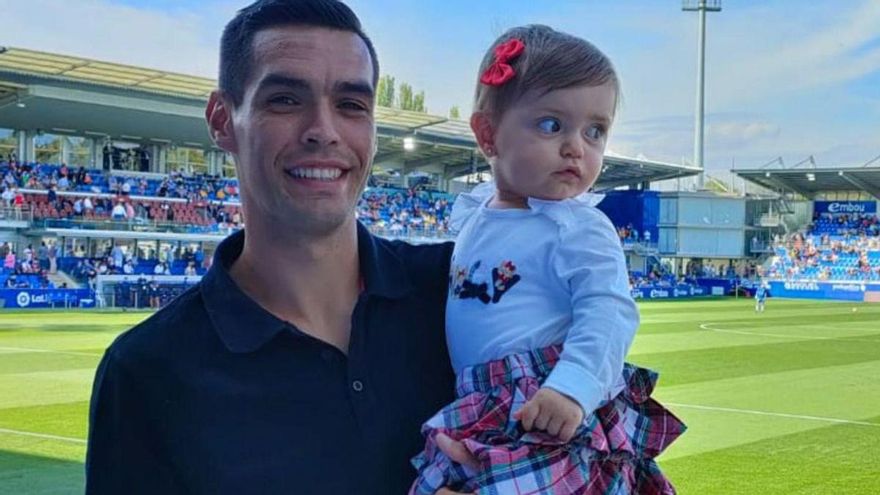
(23, 299)
(846, 208)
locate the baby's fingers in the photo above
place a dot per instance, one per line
(528, 414)
(555, 426)
(568, 430)
(542, 420)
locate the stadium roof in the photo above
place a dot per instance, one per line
(620, 171)
(82, 70)
(75, 95)
(808, 182)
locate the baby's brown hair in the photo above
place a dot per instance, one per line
(551, 60)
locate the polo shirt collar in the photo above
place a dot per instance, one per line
(242, 324)
(245, 326)
(384, 273)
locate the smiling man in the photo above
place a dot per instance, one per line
(308, 356)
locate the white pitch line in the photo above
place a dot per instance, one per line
(43, 436)
(705, 326)
(50, 351)
(779, 415)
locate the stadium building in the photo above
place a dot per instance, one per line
(818, 234)
(108, 170)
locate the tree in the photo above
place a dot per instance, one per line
(455, 113)
(385, 91)
(405, 97)
(419, 103)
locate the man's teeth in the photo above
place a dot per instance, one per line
(316, 173)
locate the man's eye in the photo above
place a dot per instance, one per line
(282, 100)
(549, 125)
(353, 105)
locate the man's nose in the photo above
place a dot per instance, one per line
(321, 128)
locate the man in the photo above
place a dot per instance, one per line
(8, 195)
(761, 296)
(308, 356)
(43, 256)
(118, 212)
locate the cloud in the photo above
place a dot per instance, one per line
(185, 40)
(787, 52)
(779, 80)
(732, 132)
(747, 139)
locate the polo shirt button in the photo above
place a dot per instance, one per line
(357, 385)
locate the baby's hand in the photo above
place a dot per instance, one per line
(552, 412)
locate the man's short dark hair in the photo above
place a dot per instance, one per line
(236, 45)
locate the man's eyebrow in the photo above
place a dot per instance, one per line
(362, 88)
(282, 80)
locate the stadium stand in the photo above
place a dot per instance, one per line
(835, 248)
(845, 224)
(55, 193)
(174, 185)
(208, 204)
(12, 279)
(405, 212)
(143, 293)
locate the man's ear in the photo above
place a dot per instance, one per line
(484, 131)
(218, 115)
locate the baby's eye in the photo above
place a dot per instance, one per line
(596, 132)
(549, 125)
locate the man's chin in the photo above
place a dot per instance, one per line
(316, 223)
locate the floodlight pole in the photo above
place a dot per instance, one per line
(700, 6)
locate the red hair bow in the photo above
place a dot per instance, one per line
(500, 71)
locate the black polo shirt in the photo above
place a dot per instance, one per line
(215, 395)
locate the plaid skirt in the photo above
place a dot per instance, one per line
(612, 452)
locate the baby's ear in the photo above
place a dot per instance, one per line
(484, 131)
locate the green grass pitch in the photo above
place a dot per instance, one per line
(784, 402)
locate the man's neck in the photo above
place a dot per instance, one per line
(311, 282)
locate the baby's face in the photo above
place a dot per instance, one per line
(550, 145)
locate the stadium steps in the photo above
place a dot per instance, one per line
(784, 207)
(60, 277)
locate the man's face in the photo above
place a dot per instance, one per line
(304, 134)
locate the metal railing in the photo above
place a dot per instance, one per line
(413, 233)
(134, 225)
(16, 213)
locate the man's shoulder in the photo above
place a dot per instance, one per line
(420, 255)
(407, 250)
(165, 331)
(427, 262)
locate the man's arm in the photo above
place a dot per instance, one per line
(121, 456)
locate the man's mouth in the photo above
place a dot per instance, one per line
(315, 173)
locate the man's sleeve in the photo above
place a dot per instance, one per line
(121, 454)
